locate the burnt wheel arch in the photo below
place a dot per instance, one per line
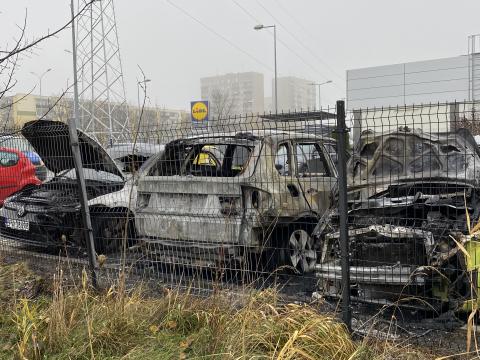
(279, 249)
(109, 226)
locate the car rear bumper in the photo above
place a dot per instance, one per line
(213, 230)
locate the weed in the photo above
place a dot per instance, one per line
(79, 323)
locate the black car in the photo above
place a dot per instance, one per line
(48, 215)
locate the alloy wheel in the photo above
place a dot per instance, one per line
(301, 253)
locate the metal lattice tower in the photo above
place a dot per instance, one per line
(103, 105)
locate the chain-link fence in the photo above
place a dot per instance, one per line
(382, 212)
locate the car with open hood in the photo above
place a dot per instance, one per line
(111, 211)
(233, 197)
(413, 197)
(48, 215)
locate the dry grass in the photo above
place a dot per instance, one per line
(82, 324)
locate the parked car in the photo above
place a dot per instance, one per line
(131, 156)
(48, 215)
(21, 144)
(412, 198)
(227, 197)
(112, 210)
(16, 172)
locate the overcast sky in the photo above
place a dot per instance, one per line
(318, 40)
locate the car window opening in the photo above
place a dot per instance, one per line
(211, 160)
(311, 161)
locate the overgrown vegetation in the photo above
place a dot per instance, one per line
(56, 322)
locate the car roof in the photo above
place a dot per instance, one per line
(262, 134)
(120, 150)
(16, 151)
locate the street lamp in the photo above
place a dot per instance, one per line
(319, 94)
(40, 78)
(260, 27)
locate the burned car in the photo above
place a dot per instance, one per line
(235, 196)
(131, 156)
(111, 211)
(48, 215)
(412, 197)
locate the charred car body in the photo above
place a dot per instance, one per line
(131, 156)
(223, 197)
(48, 215)
(409, 194)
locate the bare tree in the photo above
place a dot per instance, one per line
(11, 55)
(63, 110)
(221, 105)
(465, 117)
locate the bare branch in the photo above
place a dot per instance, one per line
(10, 82)
(18, 48)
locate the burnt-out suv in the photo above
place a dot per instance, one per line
(222, 197)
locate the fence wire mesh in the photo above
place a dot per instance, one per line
(252, 201)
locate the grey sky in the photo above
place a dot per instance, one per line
(322, 38)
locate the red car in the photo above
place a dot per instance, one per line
(16, 172)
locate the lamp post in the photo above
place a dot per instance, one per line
(40, 77)
(260, 27)
(319, 94)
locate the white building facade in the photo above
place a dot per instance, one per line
(420, 82)
(424, 94)
(234, 93)
(294, 94)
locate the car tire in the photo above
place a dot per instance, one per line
(109, 232)
(296, 249)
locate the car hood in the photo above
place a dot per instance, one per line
(52, 142)
(406, 156)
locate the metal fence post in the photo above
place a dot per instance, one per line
(77, 158)
(342, 209)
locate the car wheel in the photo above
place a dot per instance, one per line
(109, 233)
(297, 250)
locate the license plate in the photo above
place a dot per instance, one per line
(17, 224)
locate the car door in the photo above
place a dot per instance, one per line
(10, 172)
(291, 200)
(315, 174)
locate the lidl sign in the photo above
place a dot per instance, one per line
(199, 112)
